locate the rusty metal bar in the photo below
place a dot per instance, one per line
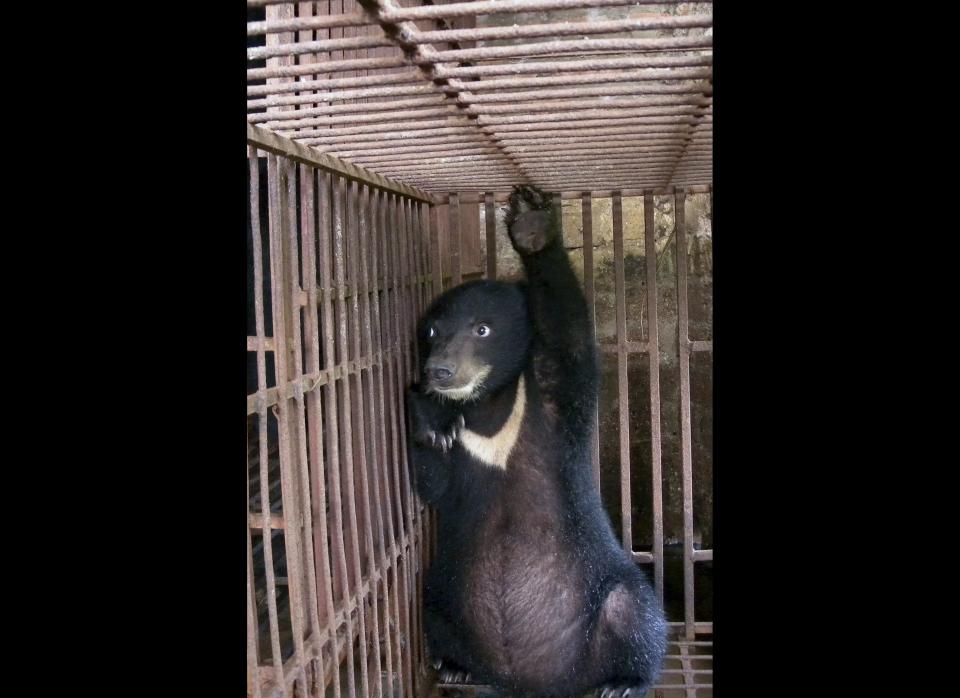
(436, 260)
(440, 163)
(321, 67)
(444, 146)
(653, 353)
(411, 128)
(328, 220)
(308, 382)
(568, 78)
(297, 48)
(349, 138)
(301, 574)
(547, 48)
(638, 122)
(413, 517)
(524, 31)
(582, 113)
(357, 222)
(688, 682)
(415, 265)
(399, 102)
(259, 343)
(590, 65)
(471, 140)
(341, 217)
(379, 418)
(459, 155)
(633, 95)
(282, 289)
(625, 158)
(622, 382)
(503, 196)
(274, 626)
(301, 478)
(295, 122)
(399, 461)
(317, 486)
(489, 7)
(356, 93)
(397, 425)
(253, 627)
(300, 23)
(586, 216)
(601, 145)
(455, 238)
(270, 142)
(683, 340)
(555, 136)
(490, 220)
(406, 317)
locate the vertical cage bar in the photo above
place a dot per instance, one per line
(272, 622)
(689, 678)
(317, 486)
(436, 258)
(332, 288)
(428, 286)
(402, 356)
(683, 340)
(253, 627)
(283, 295)
(417, 240)
(262, 413)
(653, 346)
(586, 214)
(340, 216)
(455, 238)
(490, 219)
(557, 200)
(622, 382)
(384, 513)
(407, 313)
(304, 527)
(413, 261)
(392, 483)
(359, 290)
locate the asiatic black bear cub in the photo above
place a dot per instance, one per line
(530, 590)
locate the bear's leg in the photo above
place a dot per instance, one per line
(630, 640)
(447, 653)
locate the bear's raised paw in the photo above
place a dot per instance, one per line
(531, 220)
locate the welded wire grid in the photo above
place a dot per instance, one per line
(365, 113)
(570, 95)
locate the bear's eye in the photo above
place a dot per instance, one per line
(431, 333)
(483, 330)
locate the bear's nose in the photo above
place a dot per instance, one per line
(440, 372)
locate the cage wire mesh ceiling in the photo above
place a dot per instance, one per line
(570, 95)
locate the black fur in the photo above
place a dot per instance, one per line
(530, 590)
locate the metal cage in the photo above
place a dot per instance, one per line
(381, 139)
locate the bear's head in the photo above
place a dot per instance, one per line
(474, 339)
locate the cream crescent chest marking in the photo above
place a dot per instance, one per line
(495, 450)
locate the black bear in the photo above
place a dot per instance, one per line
(530, 590)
